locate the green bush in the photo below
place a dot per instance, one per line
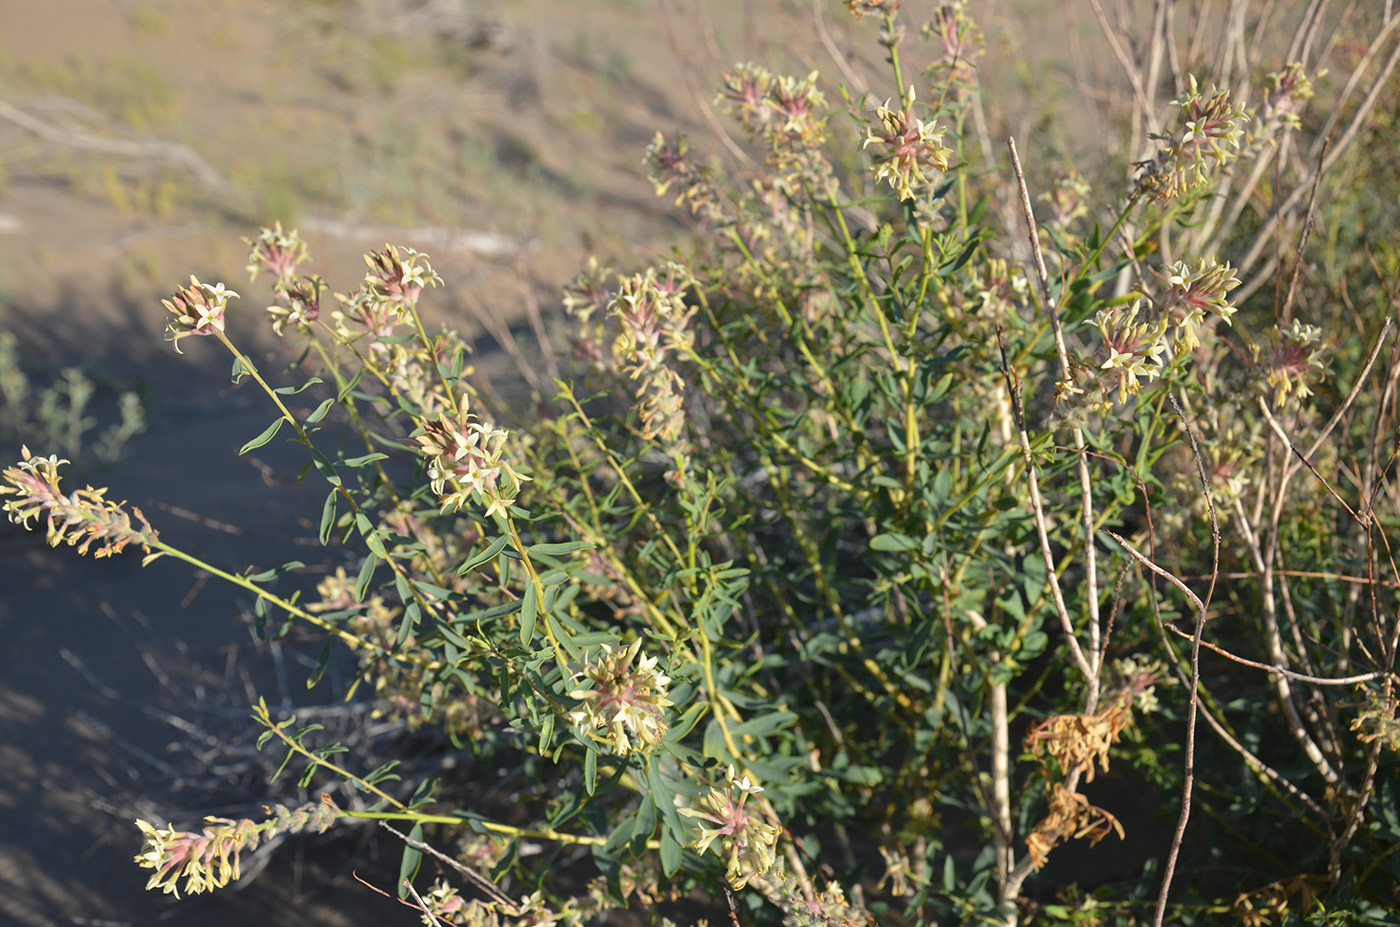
(853, 554)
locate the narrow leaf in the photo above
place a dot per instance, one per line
(529, 608)
(320, 412)
(328, 516)
(590, 770)
(671, 853)
(412, 857)
(555, 550)
(324, 466)
(321, 663)
(293, 390)
(354, 381)
(366, 574)
(263, 438)
(476, 560)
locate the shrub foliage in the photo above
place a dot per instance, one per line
(872, 531)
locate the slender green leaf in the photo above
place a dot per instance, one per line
(320, 412)
(529, 609)
(321, 663)
(293, 390)
(671, 853)
(555, 550)
(590, 770)
(366, 574)
(328, 515)
(412, 858)
(477, 559)
(325, 467)
(263, 438)
(349, 386)
(894, 541)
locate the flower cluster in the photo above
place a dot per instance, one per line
(1190, 293)
(650, 319)
(364, 316)
(749, 845)
(669, 164)
(277, 252)
(1210, 138)
(1067, 201)
(397, 279)
(1289, 89)
(1376, 720)
(1069, 816)
(587, 299)
(444, 905)
(1234, 448)
(405, 691)
(999, 284)
(630, 702)
(651, 313)
(909, 148)
(1078, 743)
(298, 304)
(1134, 343)
(589, 292)
(1140, 336)
(81, 519)
(863, 8)
(1290, 359)
(210, 859)
(784, 113)
(961, 43)
(1137, 678)
(828, 907)
(465, 459)
(197, 309)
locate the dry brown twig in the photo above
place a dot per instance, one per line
(1090, 670)
(149, 149)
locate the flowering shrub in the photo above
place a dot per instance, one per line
(864, 546)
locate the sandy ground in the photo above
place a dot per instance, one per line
(519, 128)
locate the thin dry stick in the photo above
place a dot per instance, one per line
(1011, 887)
(999, 804)
(1268, 668)
(1160, 28)
(532, 309)
(1283, 436)
(1283, 691)
(1264, 560)
(1086, 496)
(1254, 763)
(1266, 231)
(1111, 34)
(1038, 515)
(1245, 194)
(1305, 574)
(503, 337)
(702, 102)
(1287, 315)
(476, 878)
(1303, 37)
(1355, 390)
(1353, 79)
(1190, 763)
(1194, 705)
(435, 922)
(853, 80)
(163, 151)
